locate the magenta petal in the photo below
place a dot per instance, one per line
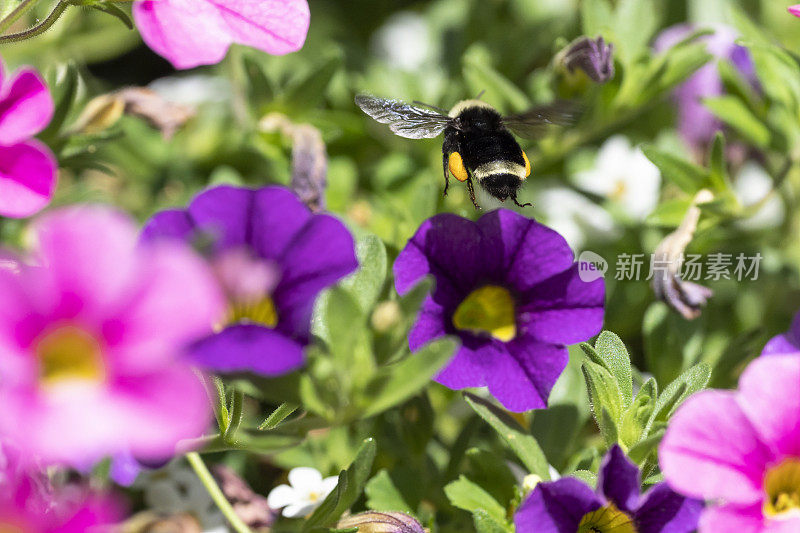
(769, 394)
(618, 479)
(27, 178)
(523, 373)
(712, 451)
(747, 519)
(249, 348)
(563, 309)
(556, 507)
(25, 108)
(198, 32)
(794, 10)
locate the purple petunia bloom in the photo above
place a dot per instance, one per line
(569, 505)
(509, 288)
(785, 343)
(696, 124)
(272, 257)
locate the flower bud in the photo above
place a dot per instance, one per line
(592, 57)
(381, 522)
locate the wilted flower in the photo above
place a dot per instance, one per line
(509, 288)
(381, 522)
(696, 124)
(625, 176)
(92, 340)
(785, 343)
(740, 450)
(593, 57)
(27, 167)
(569, 505)
(272, 257)
(304, 493)
(189, 33)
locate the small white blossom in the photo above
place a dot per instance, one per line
(405, 41)
(305, 492)
(625, 176)
(754, 185)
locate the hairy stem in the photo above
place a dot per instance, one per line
(215, 492)
(40, 28)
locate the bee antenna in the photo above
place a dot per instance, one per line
(519, 204)
(480, 94)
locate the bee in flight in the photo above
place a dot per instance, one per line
(477, 142)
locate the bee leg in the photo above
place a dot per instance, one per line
(471, 190)
(519, 204)
(445, 158)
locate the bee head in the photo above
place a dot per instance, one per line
(502, 186)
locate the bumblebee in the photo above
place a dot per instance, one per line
(478, 144)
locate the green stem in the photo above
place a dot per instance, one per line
(237, 408)
(15, 15)
(216, 493)
(36, 30)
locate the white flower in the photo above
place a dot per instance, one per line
(305, 492)
(177, 489)
(574, 216)
(752, 186)
(405, 41)
(625, 176)
(193, 90)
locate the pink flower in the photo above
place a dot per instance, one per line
(27, 167)
(198, 32)
(92, 338)
(794, 10)
(741, 450)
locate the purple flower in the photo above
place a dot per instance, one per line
(509, 288)
(569, 505)
(785, 343)
(697, 125)
(27, 167)
(198, 32)
(272, 257)
(594, 57)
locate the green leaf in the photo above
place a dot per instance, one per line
(466, 495)
(396, 382)
(612, 350)
(366, 283)
(596, 17)
(640, 451)
(484, 523)
(307, 91)
(347, 491)
(521, 443)
(65, 90)
(114, 11)
(688, 176)
(587, 476)
(278, 416)
(635, 418)
(500, 91)
(338, 319)
(382, 495)
(737, 115)
(490, 470)
(718, 174)
(259, 88)
(604, 397)
(691, 381)
(634, 25)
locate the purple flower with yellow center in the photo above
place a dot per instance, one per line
(272, 257)
(616, 506)
(509, 288)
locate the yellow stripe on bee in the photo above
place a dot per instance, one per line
(457, 167)
(499, 167)
(527, 164)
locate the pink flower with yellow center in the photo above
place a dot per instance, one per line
(92, 341)
(740, 450)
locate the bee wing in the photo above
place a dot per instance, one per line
(405, 120)
(535, 122)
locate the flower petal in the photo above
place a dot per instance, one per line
(522, 373)
(525, 251)
(662, 510)
(556, 507)
(786, 343)
(172, 223)
(732, 518)
(27, 178)
(281, 216)
(298, 510)
(281, 496)
(248, 347)
(467, 368)
(430, 324)
(25, 109)
(563, 309)
(305, 479)
(273, 26)
(224, 213)
(712, 451)
(769, 394)
(619, 479)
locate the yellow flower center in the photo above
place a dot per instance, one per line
(489, 309)
(261, 311)
(782, 485)
(69, 353)
(606, 519)
(619, 191)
